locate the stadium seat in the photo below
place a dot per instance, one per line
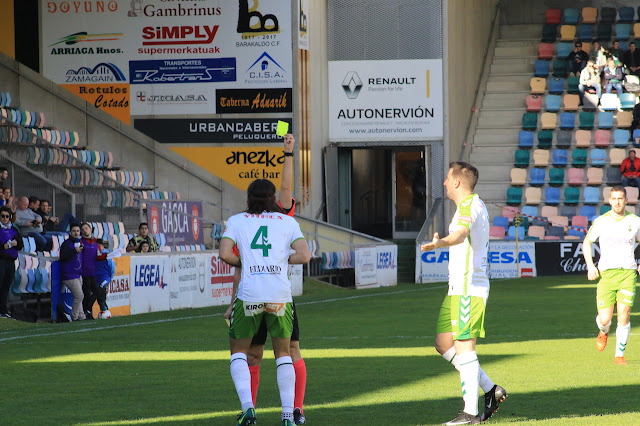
(502, 222)
(577, 234)
(541, 68)
(552, 103)
(604, 32)
(572, 84)
(540, 158)
(534, 103)
(545, 51)
(636, 31)
(625, 14)
(536, 232)
(521, 158)
(623, 118)
(556, 176)
(632, 195)
(605, 120)
(560, 68)
(538, 85)
(635, 137)
(579, 157)
(496, 233)
(531, 211)
(589, 15)
(585, 32)
(627, 100)
(614, 176)
(567, 120)
(514, 196)
(623, 31)
(559, 220)
(616, 155)
(609, 102)
(551, 195)
(536, 176)
(516, 232)
(532, 196)
(591, 195)
(604, 208)
(563, 139)
(545, 139)
(571, 195)
(583, 138)
(608, 15)
(621, 138)
(554, 232)
(509, 212)
(606, 192)
(589, 212)
(560, 157)
(598, 157)
(571, 102)
(548, 120)
(594, 176)
(569, 211)
(575, 176)
(552, 16)
(529, 121)
(563, 49)
(567, 32)
(549, 211)
(549, 33)
(518, 176)
(602, 138)
(525, 139)
(586, 120)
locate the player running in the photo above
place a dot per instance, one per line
(256, 350)
(264, 237)
(618, 231)
(461, 318)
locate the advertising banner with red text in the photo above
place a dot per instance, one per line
(175, 219)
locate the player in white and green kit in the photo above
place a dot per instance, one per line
(461, 319)
(264, 236)
(618, 231)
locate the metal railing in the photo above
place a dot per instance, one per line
(431, 224)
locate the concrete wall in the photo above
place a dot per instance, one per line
(468, 30)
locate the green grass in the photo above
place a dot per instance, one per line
(369, 356)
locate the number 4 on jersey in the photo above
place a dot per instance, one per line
(263, 236)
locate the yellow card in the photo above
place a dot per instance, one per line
(228, 322)
(282, 129)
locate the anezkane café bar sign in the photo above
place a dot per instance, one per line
(238, 165)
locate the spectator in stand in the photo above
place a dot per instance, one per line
(144, 247)
(616, 53)
(613, 77)
(12, 203)
(589, 77)
(7, 192)
(598, 55)
(34, 203)
(52, 224)
(89, 255)
(30, 224)
(630, 169)
(10, 244)
(71, 270)
(143, 235)
(577, 59)
(636, 119)
(105, 270)
(632, 60)
(4, 176)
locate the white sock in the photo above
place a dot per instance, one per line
(485, 382)
(242, 379)
(622, 337)
(469, 372)
(286, 375)
(603, 328)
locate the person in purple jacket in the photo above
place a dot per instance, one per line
(10, 244)
(71, 270)
(89, 285)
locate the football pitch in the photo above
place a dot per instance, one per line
(369, 356)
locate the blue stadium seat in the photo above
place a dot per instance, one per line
(591, 195)
(627, 100)
(635, 136)
(569, 211)
(620, 138)
(598, 157)
(501, 221)
(525, 139)
(577, 233)
(605, 120)
(536, 176)
(541, 68)
(623, 31)
(563, 49)
(589, 212)
(571, 16)
(626, 14)
(556, 85)
(512, 233)
(614, 176)
(555, 231)
(560, 157)
(552, 195)
(530, 211)
(567, 120)
(552, 103)
(585, 32)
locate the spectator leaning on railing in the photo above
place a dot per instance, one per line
(10, 244)
(30, 223)
(143, 235)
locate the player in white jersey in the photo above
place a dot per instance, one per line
(618, 232)
(264, 237)
(461, 319)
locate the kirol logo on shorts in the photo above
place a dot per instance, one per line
(252, 308)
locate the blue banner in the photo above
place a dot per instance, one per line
(177, 220)
(182, 71)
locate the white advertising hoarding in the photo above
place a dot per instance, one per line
(376, 266)
(150, 287)
(386, 100)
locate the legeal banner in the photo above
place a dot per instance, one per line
(376, 266)
(173, 54)
(150, 284)
(433, 266)
(385, 100)
(175, 219)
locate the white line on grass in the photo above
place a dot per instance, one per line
(135, 324)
